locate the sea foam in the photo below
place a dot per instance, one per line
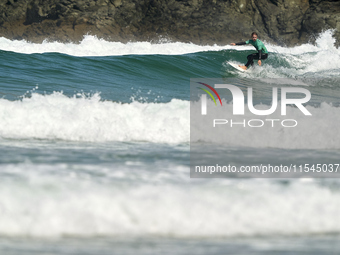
(57, 116)
(93, 46)
(40, 205)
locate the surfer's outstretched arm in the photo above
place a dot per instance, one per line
(239, 43)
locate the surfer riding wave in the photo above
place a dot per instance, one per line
(262, 51)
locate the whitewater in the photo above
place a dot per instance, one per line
(95, 149)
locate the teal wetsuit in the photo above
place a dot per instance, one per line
(259, 46)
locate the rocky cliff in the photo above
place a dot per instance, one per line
(286, 22)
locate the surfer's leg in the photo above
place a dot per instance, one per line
(264, 56)
(251, 58)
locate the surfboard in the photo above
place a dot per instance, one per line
(236, 67)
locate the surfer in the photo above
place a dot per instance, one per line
(262, 51)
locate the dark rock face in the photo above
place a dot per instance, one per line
(286, 22)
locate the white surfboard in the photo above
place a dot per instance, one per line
(236, 67)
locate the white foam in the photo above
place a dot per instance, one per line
(40, 205)
(92, 46)
(323, 57)
(324, 42)
(57, 116)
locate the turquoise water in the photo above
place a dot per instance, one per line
(95, 152)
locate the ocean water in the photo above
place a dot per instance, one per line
(95, 152)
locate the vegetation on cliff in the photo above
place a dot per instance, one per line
(286, 22)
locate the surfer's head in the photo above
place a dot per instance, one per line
(254, 36)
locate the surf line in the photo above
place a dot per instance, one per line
(255, 123)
